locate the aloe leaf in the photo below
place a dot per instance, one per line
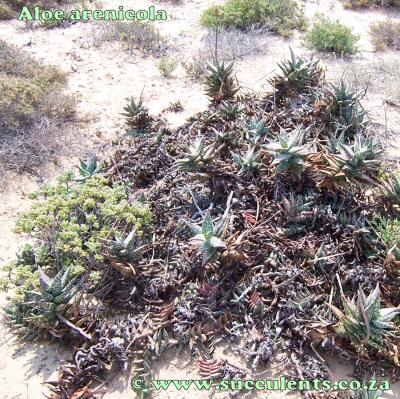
(217, 243)
(373, 303)
(388, 314)
(44, 280)
(207, 227)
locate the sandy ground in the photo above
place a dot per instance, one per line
(102, 78)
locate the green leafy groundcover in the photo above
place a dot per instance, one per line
(74, 227)
(273, 228)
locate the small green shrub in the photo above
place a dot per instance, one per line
(141, 35)
(371, 3)
(330, 35)
(279, 16)
(385, 34)
(167, 65)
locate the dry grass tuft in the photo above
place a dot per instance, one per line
(386, 34)
(380, 76)
(136, 35)
(233, 44)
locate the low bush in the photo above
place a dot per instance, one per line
(330, 35)
(31, 106)
(385, 34)
(371, 3)
(167, 65)
(280, 16)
